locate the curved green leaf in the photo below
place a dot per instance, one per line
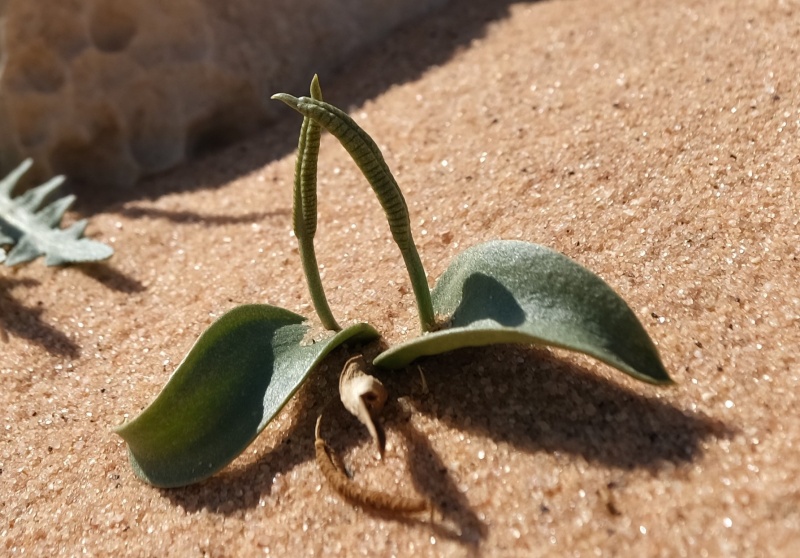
(516, 292)
(235, 379)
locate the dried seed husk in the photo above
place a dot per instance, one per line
(364, 396)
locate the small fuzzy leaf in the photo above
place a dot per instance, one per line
(8, 183)
(53, 213)
(517, 292)
(35, 231)
(237, 376)
(23, 251)
(33, 199)
(77, 250)
(76, 229)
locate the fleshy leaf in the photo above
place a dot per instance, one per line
(34, 231)
(234, 380)
(517, 292)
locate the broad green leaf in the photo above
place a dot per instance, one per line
(517, 292)
(238, 375)
(34, 229)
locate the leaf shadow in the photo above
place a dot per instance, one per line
(431, 477)
(485, 298)
(26, 322)
(111, 278)
(192, 217)
(526, 397)
(536, 401)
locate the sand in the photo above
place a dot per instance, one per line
(653, 142)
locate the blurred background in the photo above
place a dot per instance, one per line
(109, 91)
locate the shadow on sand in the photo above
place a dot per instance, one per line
(525, 397)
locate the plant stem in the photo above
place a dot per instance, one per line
(304, 211)
(369, 159)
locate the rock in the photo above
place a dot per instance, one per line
(108, 91)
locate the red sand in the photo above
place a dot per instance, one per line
(653, 142)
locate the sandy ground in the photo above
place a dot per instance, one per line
(653, 142)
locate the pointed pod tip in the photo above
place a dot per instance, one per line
(286, 98)
(315, 89)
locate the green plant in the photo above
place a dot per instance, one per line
(34, 230)
(244, 368)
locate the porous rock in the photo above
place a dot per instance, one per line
(108, 91)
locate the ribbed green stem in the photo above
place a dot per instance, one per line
(304, 211)
(369, 159)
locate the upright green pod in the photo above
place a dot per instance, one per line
(304, 211)
(369, 159)
(307, 158)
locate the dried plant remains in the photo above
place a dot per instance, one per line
(328, 464)
(364, 396)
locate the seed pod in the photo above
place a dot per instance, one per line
(365, 153)
(364, 397)
(304, 211)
